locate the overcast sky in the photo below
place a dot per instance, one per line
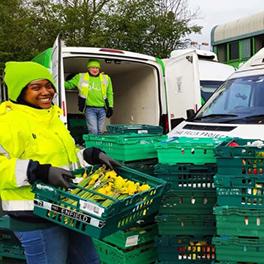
(214, 12)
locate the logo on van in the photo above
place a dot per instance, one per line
(179, 84)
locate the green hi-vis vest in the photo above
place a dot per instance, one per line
(83, 85)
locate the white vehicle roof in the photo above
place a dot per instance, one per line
(215, 71)
(254, 66)
(255, 61)
(202, 53)
(102, 52)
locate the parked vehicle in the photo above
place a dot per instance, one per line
(192, 76)
(138, 82)
(236, 109)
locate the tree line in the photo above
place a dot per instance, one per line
(153, 27)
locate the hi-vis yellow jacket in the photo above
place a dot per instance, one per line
(28, 133)
(94, 89)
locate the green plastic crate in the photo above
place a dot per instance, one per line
(178, 249)
(91, 218)
(109, 254)
(134, 128)
(77, 127)
(127, 147)
(195, 225)
(133, 236)
(5, 260)
(187, 176)
(188, 202)
(233, 262)
(247, 192)
(11, 250)
(12, 224)
(10, 247)
(244, 160)
(146, 166)
(239, 249)
(187, 150)
(234, 221)
(7, 236)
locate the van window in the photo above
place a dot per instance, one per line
(241, 97)
(208, 88)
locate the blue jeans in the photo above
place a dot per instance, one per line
(95, 118)
(57, 245)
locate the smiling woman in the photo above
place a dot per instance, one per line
(39, 93)
(35, 145)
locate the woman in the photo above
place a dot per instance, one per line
(35, 145)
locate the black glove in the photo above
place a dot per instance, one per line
(109, 162)
(81, 104)
(109, 112)
(48, 174)
(97, 156)
(60, 177)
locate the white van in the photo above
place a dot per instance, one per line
(236, 109)
(138, 82)
(192, 76)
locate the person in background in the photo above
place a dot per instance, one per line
(95, 95)
(35, 145)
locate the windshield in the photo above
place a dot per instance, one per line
(238, 100)
(208, 88)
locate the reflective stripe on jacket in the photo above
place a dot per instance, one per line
(27, 134)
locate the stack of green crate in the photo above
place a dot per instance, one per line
(134, 129)
(186, 210)
(11, 251)
(10, 248)
(240, 201)
(136, 151)
(131, 246)
(185, 249)
(77, 127)
(187, 150)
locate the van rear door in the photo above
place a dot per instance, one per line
(183, 86)
(58, 75)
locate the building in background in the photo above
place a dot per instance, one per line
(235, 42)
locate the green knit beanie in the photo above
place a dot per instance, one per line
(19, 74)
(94, 64)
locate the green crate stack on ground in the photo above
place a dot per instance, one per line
(240, 202)
(131, 246)
(136, 151)
(11, 250)
(77, 126)
(188, 165)
(185, 250)
(134, 129)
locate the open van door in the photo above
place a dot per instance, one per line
(183, 85)
(58, 75)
